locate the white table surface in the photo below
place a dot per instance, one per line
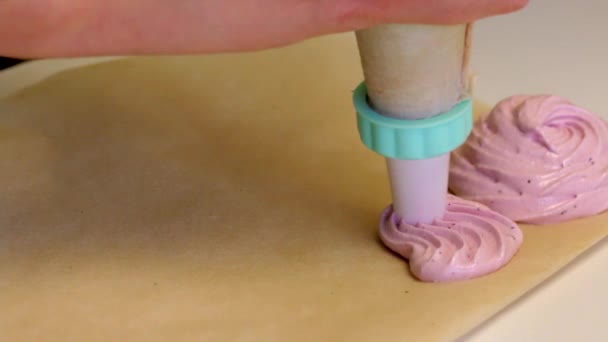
(554, 46)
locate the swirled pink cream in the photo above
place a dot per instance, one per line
(535, 159)
(470, 241)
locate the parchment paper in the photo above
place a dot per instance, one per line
(220, 198)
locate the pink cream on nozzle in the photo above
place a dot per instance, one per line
(535, 159)
(470, 241)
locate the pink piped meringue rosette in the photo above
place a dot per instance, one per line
(532, 159)
(535, 159)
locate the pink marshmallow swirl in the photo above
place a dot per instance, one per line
(470, 241)
(535, 159)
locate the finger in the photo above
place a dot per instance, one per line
(65, 28)
(358, 14)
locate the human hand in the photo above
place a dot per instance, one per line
(55, 28)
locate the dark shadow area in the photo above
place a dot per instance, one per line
(6, 62)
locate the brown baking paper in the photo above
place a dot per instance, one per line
(220, 198)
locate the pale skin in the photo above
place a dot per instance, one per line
(67, 28)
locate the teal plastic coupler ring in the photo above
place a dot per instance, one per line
(412, 139)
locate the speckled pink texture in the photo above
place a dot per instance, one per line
(470, 241)
(535, 159)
